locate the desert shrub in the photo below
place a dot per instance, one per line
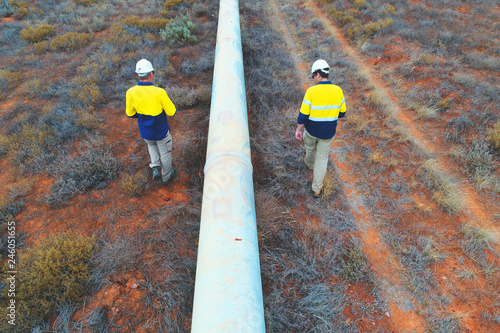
(365, 31)
(418, 253)
(478, 240)
(184, 98)
(97, 320)
(169, 4)
(34, 35)
(354, 264)
(444, 104)
(427, 112)
(99, 67)
(447, 193)
(148, 23)
(359, 3)
(445, 324)
(457, 127)
(274, 223)
(494, 135)
(87, 94)
(134, 184)
(33, 87)
(61, 120)
(179, 31)
(70, 41)
(28, 145)
(342, 18)
(91, 23)
(92, 168)
(9, 80)
(23, 9)
(390, 9)
(195, 67)
(479, 61)
(479, 159)
(86, 118)
(41, 47)
(85, 2)
(121, 38)
(53, 273)
(200, 10)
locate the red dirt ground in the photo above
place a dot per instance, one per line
(124, 292)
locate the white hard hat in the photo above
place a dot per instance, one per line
(320, 65)
(143, 67)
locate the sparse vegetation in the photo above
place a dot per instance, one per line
(393, 200)
(8, 80)
(447, 194)
(53, 273)
(478, 240)
(92, 169)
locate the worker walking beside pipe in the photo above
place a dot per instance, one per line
(151, 106)
(322, 105)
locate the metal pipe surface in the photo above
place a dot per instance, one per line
(228, 288)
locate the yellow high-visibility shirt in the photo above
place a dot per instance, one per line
(151, 106)
(323, 104)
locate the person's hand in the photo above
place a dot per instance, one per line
(298, 134)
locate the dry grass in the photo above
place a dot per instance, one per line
(494, 135)
(448, 194)
(134, 184)
(359, 121)
(427, 112)
(330, 186)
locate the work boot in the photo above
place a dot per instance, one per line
(156, 173)
(172, 174)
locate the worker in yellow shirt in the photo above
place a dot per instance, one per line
(151, 106)
(323, 104)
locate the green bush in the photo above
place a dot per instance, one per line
(70, 41)
(35, 35)
(179, 30)
(53, 273)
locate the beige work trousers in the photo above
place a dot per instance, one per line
(317, 154)
(161, 155)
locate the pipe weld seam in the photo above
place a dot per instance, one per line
(218, 155)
